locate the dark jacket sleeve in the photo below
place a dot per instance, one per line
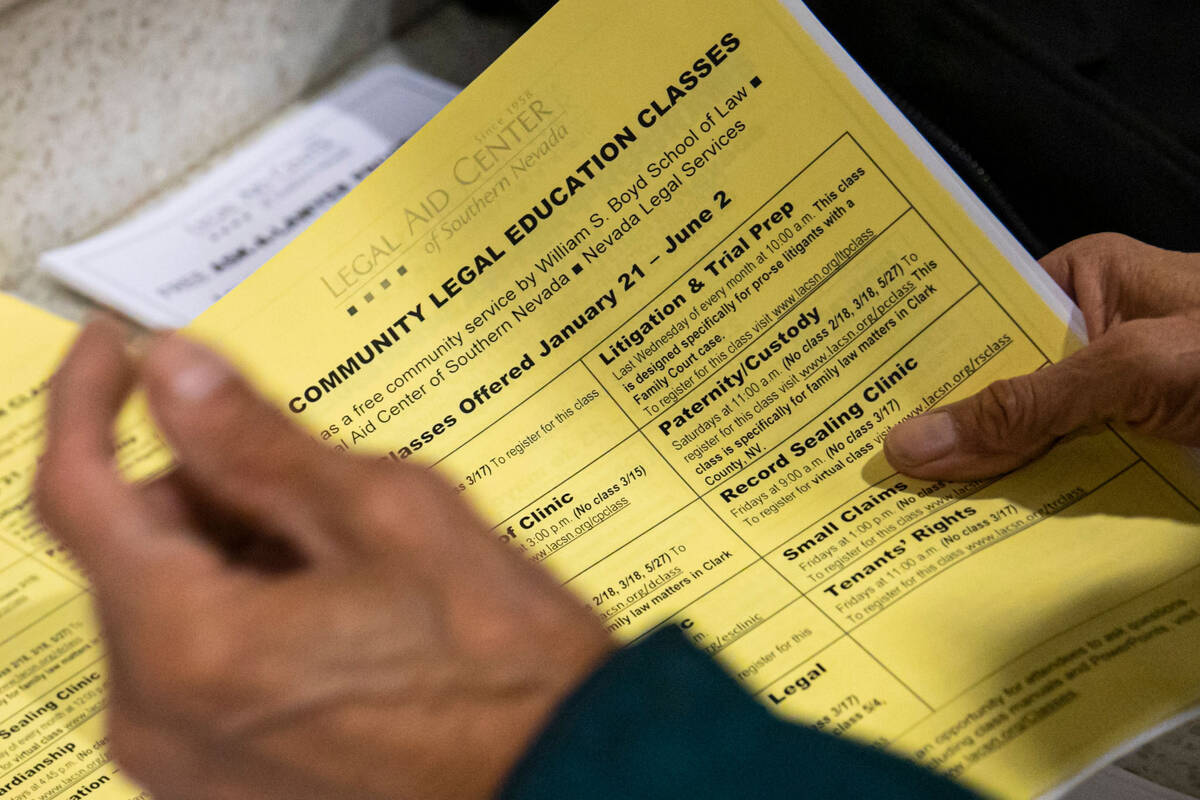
(661, 719)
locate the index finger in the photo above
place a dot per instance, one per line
(80, 495)
(1114, 278)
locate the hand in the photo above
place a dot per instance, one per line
(286, 622)
(1142, 368)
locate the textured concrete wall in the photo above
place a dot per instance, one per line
(102, 102)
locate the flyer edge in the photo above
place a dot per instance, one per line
(1052, 295)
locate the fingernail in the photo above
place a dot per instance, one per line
(192, 372)
(922, 439)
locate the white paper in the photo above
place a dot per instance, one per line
(166, 266)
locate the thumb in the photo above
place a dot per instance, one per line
(1145, 373)
(238, 452)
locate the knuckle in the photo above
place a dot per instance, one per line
(183, 668)
(1100, 253)
(204, 658)
(1132, 345)
(378, 500)
(1004, 415)
(1085, 249)
(64, 496)
(1158, 337)
(1161, 361)
(233, 418)
(1107, 250)
(1107, 241)
(48, 484)
(259, 444)
(408, 485)
(1139, 352)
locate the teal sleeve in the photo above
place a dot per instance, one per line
(661, 719)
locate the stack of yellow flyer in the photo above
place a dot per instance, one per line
(650, 292)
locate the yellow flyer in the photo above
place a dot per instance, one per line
(650, 292)
(52, 670)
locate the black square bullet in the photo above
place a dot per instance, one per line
(577, 269)
(385, 284)
(352, 311)
(755, 82)
(369, 297)
(401, 270)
